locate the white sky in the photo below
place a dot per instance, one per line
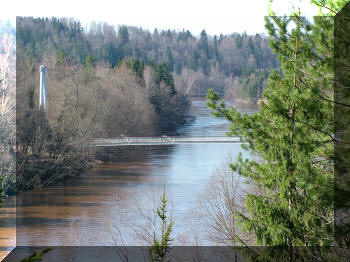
(215, 16)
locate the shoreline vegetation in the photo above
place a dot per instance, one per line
(112, 82)
(91, 101)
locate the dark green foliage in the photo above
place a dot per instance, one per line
(292, 138)
(239, 41)
(165, 76)
(124, 42)
(341, 122)
(215, 49)
(39, 35)
(137, 66)
(203, 43)
(170, 59)
(111, 54)
(124, 35)
(184, 35)
(168, 104)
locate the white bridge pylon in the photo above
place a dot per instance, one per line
(164, 140)
(43, 89)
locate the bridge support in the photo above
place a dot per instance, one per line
(43, 89)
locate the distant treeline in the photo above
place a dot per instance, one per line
(87, 98)
(213, 61)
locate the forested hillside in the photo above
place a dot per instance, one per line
(87, 99)
(198, 62)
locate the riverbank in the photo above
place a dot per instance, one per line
(70, 213)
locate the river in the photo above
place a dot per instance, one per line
(109, 201)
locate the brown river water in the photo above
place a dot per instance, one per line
(106, 204)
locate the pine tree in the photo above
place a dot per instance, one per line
(203, 43)
(123, 34)
(160, 248)
(89, 62)
(169, 59)
(216, 51)
(341, 121)
(292, 137)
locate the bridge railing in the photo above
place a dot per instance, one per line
(163, 140)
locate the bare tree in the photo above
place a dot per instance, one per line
(223, 196)
(7, 112)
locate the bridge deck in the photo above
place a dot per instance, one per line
(165, 140)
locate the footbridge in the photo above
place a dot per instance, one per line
(164, 140)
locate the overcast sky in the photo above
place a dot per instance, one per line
(215, 16)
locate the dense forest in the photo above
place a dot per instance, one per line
(197, 62)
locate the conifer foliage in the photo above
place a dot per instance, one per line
(160, 248)
(292, 137)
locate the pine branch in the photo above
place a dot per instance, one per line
(323, 98)
(324, 6)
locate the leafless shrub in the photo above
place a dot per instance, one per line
(7, 111)
(223, 196)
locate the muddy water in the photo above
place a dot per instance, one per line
(112, 201)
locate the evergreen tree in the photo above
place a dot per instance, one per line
(341, 110)
(193, 61)
(203, 43)
(123, 34)
(155, 32)
(216, 51)
(162, 74)
(251, 45)
(160, 248)
(124, 46)
(137, 66)
(221, 38)
(292, 137)
(239, 41)
(169, 59)
(89, 62)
